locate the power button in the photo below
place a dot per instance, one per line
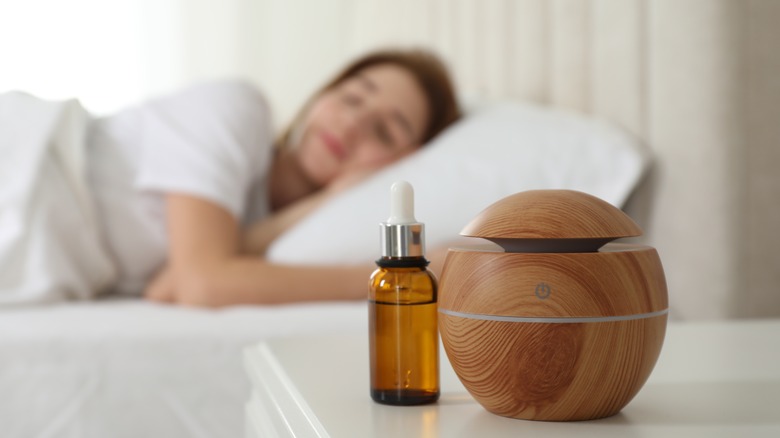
(543, 291)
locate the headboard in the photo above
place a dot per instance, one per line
(697, 81)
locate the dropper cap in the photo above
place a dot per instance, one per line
(402, 235)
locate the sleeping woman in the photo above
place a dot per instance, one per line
(191, 189)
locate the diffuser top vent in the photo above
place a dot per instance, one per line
(551, 221)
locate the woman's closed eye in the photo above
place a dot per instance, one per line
(383, 133)
(352, 99)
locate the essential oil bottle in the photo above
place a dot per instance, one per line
(403, 331)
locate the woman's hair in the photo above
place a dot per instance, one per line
(426, 68)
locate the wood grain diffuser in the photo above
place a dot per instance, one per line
(552, 322)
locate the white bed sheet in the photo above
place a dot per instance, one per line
(137, 369)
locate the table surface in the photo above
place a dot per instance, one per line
(712, 379)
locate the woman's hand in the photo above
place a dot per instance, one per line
(161, 288)
(256, 239)
(259, 236)
(348, 180)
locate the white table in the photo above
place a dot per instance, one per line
(712, 379)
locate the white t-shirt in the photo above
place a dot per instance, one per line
(212, 140)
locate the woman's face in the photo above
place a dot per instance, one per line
(366, 122)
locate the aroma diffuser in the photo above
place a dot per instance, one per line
(552, 322)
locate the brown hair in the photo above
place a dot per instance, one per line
(429, 72)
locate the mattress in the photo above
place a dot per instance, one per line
(130, 368)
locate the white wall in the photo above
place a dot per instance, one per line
(58, 49)
(111, 53)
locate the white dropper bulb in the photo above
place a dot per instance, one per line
(401, 204)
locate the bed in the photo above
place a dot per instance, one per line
(696, 83)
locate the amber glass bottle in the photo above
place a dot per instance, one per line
(403, 331)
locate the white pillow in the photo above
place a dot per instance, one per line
(495, 152)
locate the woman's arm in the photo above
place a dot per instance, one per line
(206, 267)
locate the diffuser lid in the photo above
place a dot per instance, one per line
(551, 221)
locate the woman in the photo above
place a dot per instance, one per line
(378, 110)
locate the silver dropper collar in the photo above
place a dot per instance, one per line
(406, 240)
(401, 234)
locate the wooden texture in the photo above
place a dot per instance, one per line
(553, 372)
(552, 214)
(556, 370)
(621, 279)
